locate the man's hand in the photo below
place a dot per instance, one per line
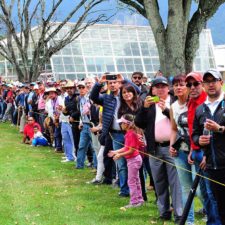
(148, 102)
(190, 161)
(102, 79)
(94, 129)
(59, 107)
(173, 151)
(202, 165)
(204, 140)
(162, 104)
(120, 77)
(212, 125)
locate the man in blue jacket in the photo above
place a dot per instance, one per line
(111, 103)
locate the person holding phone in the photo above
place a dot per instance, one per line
(154, 118)
(111, 103)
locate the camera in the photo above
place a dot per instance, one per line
(111, 76)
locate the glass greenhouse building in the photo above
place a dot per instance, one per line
(115, 48)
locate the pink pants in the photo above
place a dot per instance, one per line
(134, 164)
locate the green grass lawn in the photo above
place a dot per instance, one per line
(37, 189)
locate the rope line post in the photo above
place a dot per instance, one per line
(190, 198)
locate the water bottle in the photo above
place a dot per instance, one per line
(206, 132)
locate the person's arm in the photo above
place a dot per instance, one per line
(141, 117)
(113, 153)
(173, 152)
(197, 129)
(120, 153)
(95, 95)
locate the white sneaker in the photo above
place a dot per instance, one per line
(66, 160)
(64, 157)
(133, 205)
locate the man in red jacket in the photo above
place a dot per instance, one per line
(194, 81)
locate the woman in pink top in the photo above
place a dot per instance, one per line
(134, 161)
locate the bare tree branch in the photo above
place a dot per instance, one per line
(137, 5)
(33, 12)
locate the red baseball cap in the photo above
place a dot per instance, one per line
(195, 75)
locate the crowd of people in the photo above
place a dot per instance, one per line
(129, 129)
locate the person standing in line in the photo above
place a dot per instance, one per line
(197, 95)
(134, 161)
(85, 134)
(154, 118)
(209, 135)
(111, 103)
(179, 139)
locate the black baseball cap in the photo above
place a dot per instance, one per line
(160, 80)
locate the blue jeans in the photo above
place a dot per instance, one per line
(39, 141)
(41, 119)
(85, 142)
(1, 109)
(210, 204)
(68, 143)
(58, 138)
(185, 180)
(121, 163)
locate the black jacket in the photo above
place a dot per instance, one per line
(72, 107)
(145, 119)
(215, 151)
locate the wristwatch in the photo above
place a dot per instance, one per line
(221, 129)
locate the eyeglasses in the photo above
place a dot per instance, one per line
(208, 82)
(195, 84)
(81, 87)
(136, 78)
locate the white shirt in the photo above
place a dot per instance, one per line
(62, 117)
(213, 105)
(115, 124)
(162, 124)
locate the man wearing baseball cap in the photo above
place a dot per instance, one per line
(210, 116)
(154, 118)
(197, 95)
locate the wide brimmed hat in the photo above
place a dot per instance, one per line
(51, 89)
(69, 84)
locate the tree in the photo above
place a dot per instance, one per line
(178, 41)
(35, 26)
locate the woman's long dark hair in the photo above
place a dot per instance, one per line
(136, 104)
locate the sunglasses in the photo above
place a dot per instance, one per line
(195, 84)
(137, 78)
(81, 87)
(208, 82)
(30, 120)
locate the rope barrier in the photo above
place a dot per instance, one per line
(179, 167)
(154, 157)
